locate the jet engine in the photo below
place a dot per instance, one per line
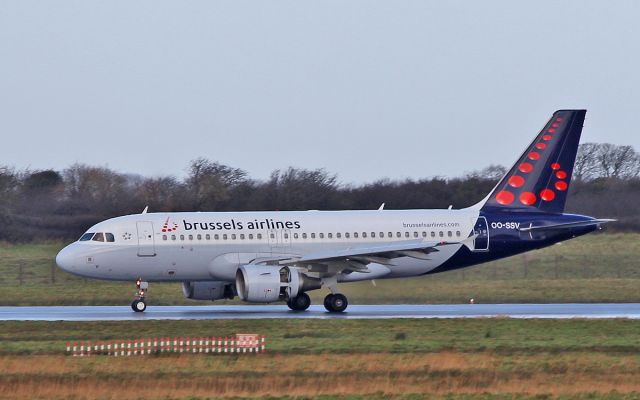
(269, 283)
(208, 290)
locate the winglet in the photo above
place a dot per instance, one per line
(381, 207)
(145, 210)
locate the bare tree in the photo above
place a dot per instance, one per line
(586, 165)
(209, 183)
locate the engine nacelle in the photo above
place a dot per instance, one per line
(208, 290)
(269, 283)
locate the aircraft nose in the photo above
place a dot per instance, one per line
(65, 258)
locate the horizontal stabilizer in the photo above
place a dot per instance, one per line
(566, 225)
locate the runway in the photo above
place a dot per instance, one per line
(124, 313)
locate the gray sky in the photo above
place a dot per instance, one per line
(365, 89)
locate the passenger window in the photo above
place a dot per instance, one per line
(173, 237)
(398, 234)
(110, 238)
(224, 237)
(458, 233)
(286, 236)
(199, 237)
(242, 236)
(86, 236)
(338, 235)
(273, 236)
(313, 236)
(233, 236)
(259, 235)
(364, 235)
(304, 235)
(441, 234)
(181, 237)
(355, 235)
(424, 234)
(330, 235)
(98, 237)
(346, 235)
(381, 235)
(207, 236)
(251, 236)
(433, 234)
(295, 235)
(449, 233)
(164, 237)
(321, 235)
(390, 234)
(415, 234)
(190, 237)
(216, 236)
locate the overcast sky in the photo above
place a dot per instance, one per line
(366, 89)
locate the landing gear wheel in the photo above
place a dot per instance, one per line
(299, 303)
(139, 305)
(336, 302)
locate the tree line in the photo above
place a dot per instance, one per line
(53, 205)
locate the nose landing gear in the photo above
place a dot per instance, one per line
(139, 304)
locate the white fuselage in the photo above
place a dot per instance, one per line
(205, 246)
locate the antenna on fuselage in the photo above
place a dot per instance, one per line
(145, 210)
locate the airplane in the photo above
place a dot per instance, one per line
(265, 257)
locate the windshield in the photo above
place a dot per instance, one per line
(86, 236)
(98, 237)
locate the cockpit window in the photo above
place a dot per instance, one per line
(99, 237)
(86, 236)
(109, 237)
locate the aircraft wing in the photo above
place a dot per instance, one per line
(357, 257)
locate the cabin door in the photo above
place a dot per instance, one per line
(481, 230)
(146, 245)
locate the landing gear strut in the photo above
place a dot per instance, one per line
(335, 302)
(299, 303)
(139, 304)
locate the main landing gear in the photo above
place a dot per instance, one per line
(336, 302)
(299, 303)
(139, 304)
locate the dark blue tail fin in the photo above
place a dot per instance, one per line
(540, 180)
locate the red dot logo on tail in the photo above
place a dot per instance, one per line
(547, 195)
(525, 167)
(505, 197)
(516, 181)
(527, 198)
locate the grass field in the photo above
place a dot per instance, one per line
(408, 359)
(595, 268)
(346, 359)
